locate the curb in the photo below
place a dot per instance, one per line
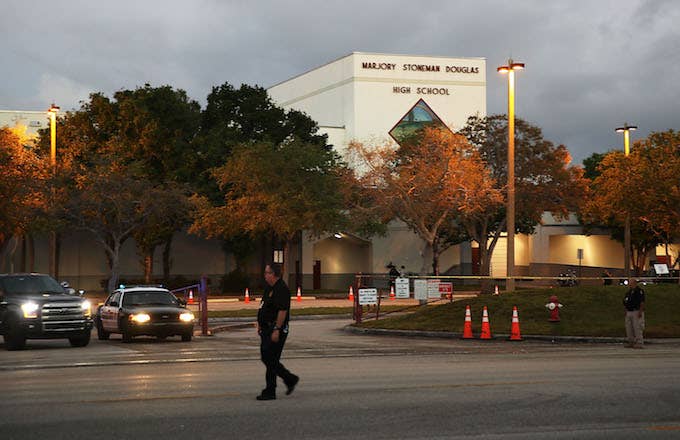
(351, 328)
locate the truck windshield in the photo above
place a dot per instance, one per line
(29, 285)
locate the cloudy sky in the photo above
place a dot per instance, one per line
(591, 65)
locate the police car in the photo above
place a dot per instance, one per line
(143, 310)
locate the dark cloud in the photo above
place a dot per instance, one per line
(591, 65)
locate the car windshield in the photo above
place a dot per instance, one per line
(149, 298)
(29, 285)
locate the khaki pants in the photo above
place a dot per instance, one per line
(634, 326)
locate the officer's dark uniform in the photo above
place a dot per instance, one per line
(633, 302)
(276, 298)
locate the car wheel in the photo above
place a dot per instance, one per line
(80, 341)
(102, 334)
(14, 336)
(186, 337)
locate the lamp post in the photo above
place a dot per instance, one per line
(626, 129)
(510, 215)
(52, 111)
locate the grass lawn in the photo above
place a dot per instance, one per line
(587, 311)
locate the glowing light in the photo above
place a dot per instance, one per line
(140, 318)
(30, 310)
(186, 317)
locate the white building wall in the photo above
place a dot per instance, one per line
(346, 97)
(362, 96)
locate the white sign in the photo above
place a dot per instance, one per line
(433, 289)
(368, 297)
(401, 288)
(661, 269)
(420, 289)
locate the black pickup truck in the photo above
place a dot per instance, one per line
(35, 306)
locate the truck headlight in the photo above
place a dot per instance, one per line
(140, 318)
(186, 317)
(86, 307)
(30, 309)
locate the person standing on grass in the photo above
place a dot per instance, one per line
(634, 302)
(272, 326)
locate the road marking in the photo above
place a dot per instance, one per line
(149, 399)
(664, 428)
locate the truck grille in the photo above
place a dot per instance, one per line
(62, 317)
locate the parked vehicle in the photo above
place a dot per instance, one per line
(144, 310)
(36, 306)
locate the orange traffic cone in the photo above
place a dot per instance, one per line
(247, 297)
(486, 328)
(467, 329)
(299, 294)
(392, 295)
(496, 291)
(191, 297)
(514, 329)
(351, 294)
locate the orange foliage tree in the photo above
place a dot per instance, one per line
(428, 183)
(645, 185)
(23, 174)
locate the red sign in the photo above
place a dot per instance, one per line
(446, 288)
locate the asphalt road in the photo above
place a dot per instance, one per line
(352, 387)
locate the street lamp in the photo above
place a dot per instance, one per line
(626, 129)
(52, 111)
(510, 215)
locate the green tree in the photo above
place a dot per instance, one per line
(112, 202)
(237, 116)
(274, 190)
(150, 130)
(245, 115)
(544, 180)
(591, 164)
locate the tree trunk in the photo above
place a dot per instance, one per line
(167, 263)
(22, 265)
(485, 268)
(148, 265)
(114, 273)
(30, 245)
(435, 258)
(285, 272)
(428, 256)
(57, 254)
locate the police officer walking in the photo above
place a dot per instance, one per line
(634, 302)
(272, 326)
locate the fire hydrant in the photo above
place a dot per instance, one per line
(554, 307)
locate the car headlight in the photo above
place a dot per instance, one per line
(186, 317)
(140, 318)
(30, 309)
(86, 307)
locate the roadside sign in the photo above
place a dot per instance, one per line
(420, 289)
(368, 297)
(433, 289)
(661, 269)
(401, 288)
(446, 289)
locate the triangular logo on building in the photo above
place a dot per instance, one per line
(418, 117)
